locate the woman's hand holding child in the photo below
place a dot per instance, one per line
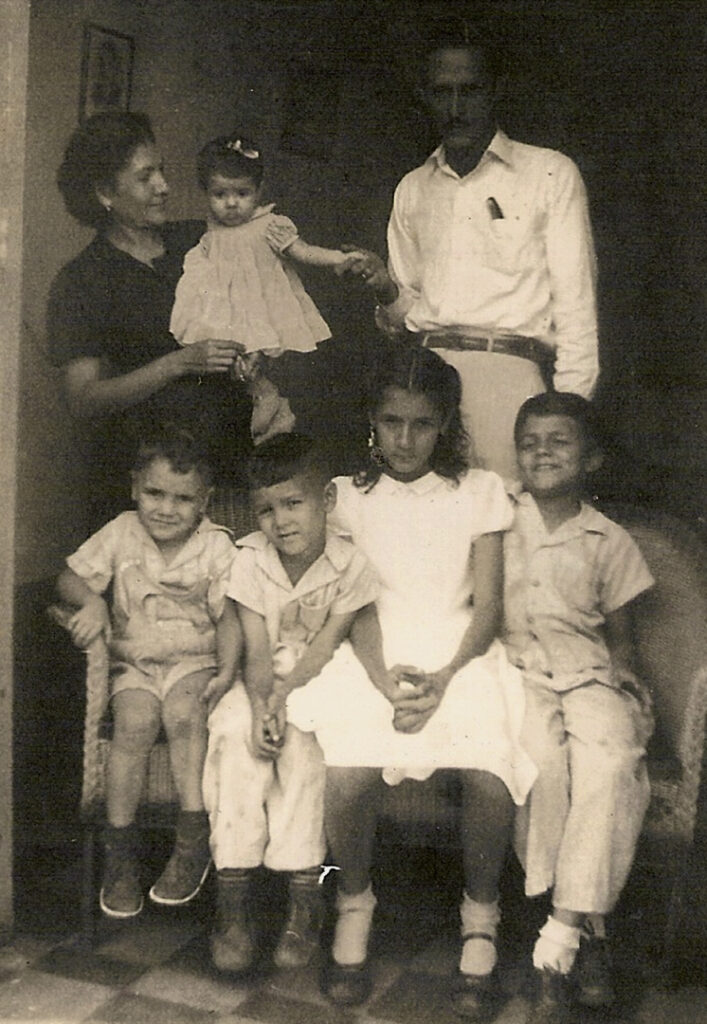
(213, 355)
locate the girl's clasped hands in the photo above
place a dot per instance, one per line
(415, 695)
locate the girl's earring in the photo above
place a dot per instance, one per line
(375, 452)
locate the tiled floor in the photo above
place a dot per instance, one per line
(156, 970)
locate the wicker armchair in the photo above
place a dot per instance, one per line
(672, 643)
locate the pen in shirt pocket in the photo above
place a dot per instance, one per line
(494, 209)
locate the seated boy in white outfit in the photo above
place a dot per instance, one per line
(297, 589)
(173, 642)
(571, 575)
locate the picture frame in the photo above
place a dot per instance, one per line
(106, 70)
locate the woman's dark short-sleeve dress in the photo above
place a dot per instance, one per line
(104, 304)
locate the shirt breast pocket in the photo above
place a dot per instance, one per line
(575, 583)
(508, 245)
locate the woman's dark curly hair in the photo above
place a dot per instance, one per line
(405, 364)
(232, 156)
(99, 148)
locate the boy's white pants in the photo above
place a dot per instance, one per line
(262, 811)
(577, 834)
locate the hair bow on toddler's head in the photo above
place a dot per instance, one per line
(244, 148)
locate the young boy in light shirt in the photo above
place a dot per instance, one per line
(297, 589)
(571, 576)
(173, 642)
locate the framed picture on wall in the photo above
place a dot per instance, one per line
(106, 70)
(311, 112)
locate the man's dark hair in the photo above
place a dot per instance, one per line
(180, 448)
(563, 403)
(458, 33)
(285, 456)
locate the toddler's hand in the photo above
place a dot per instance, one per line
(348, 261)
(215, 689)
(366, 265)
(87, 622)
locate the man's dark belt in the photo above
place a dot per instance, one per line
(506, 344)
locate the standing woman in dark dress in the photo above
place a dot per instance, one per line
(109, 311)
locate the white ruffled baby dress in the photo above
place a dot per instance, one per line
(237, 286)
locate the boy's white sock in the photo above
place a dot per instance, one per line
(353, 925)
(478, 954)
(557, 946)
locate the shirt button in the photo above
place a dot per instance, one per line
(535, 583)
(533, 636)
(548, 675)
(531, 618)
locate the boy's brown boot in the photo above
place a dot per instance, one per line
(187, 868)
(232, 945)
(300, 937)
(121, 892)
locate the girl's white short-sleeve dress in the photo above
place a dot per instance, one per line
(419, 536)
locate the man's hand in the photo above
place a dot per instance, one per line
(370, 268)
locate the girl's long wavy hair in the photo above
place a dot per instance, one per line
(405, 364)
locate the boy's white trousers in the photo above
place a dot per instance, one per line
(262, 811)
(577, 833)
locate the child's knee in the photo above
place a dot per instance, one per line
(185, 717)
(135, 724)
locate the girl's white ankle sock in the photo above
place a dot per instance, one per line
(556, 946)
(478, 954)
(353, 925)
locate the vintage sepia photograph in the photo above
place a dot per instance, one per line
(353, 512)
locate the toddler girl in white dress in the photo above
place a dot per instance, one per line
(239, 283)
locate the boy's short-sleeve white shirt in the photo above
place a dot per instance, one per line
(341, 580)
(559, 587)
(123, 552)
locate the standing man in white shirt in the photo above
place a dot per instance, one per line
(491, 259)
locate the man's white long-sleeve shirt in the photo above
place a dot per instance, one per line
(507, 248)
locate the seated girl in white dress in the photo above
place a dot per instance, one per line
(239, 283)
(424, 683)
